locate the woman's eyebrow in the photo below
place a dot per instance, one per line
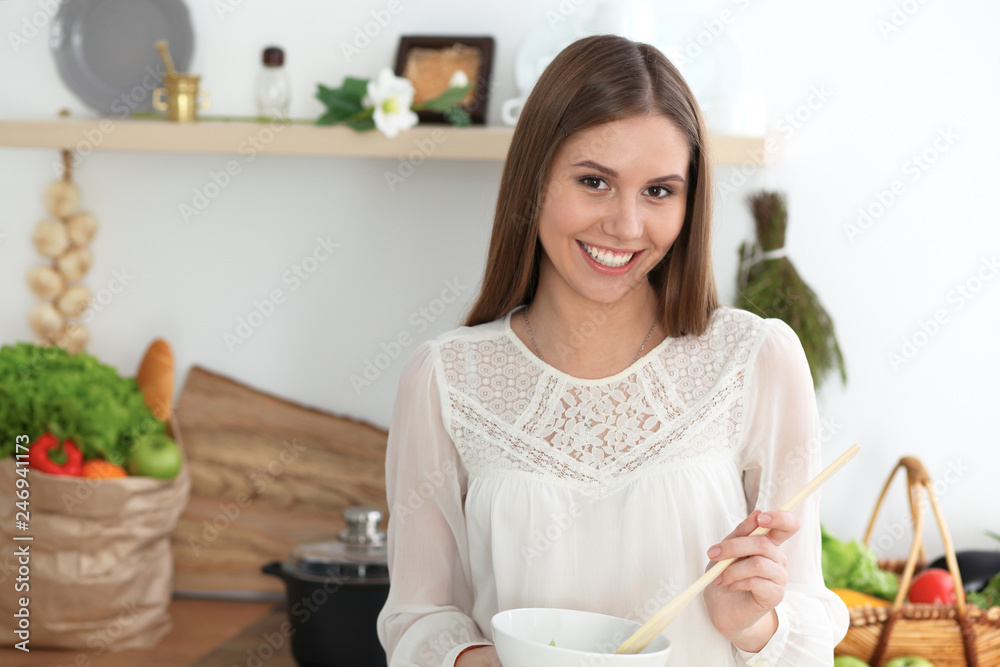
(614, 174)
(599, 167)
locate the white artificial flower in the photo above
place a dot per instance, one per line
(459, 79)
(392, 97)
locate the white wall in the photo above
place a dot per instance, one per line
(888, 98)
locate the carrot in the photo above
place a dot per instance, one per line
(101, 469)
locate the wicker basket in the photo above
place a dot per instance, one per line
(948, 635)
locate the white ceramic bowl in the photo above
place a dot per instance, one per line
(582, 638)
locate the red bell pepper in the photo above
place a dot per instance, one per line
(57, 458)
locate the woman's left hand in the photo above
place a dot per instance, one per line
(741, 601)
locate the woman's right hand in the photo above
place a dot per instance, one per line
(481, 656)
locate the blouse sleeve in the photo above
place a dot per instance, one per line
(781, 453)
(426, 619)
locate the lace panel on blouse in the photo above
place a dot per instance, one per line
(509, 413)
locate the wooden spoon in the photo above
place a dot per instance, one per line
(668, 613)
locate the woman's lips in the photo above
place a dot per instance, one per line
(606, 261)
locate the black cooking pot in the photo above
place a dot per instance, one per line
(335, 591)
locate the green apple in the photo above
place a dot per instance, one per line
(909, 661)
(849, 661)
(155, 456)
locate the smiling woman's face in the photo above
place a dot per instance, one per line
(613, 206)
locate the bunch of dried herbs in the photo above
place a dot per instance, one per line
(769, 286)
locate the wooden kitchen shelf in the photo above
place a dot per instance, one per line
(430, 141)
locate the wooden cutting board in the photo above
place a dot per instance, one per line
(237, 650)
(267, 475)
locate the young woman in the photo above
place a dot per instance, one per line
(598, 432)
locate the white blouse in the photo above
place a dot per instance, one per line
(512, 484)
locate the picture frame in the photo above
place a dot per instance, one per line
(429, 61)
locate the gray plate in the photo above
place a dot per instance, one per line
(106, 49)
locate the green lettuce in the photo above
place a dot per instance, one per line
(74, 396)
(853, 565)
(990, 595)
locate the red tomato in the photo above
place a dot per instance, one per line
(933, 586)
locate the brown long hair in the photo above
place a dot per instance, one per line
(593, 81)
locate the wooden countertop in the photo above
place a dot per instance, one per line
(206, 633)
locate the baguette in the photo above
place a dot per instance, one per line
(156, 378)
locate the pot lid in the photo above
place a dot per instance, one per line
(358, 553)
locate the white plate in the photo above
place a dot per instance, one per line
(539, 48)
(711, 62)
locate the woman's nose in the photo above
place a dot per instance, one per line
(624, 221)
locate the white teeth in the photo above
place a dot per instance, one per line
(608, 259)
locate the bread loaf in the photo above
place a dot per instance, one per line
(156, 378)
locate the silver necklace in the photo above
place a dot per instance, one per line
(538, 352)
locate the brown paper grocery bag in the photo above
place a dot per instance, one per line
(100, 568)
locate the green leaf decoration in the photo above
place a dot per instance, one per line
(344, 105)
(361, 124)
(356, 88)
(328, 118)
(340, 103)
(458, 117)
(446, 100)
(773, 288)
